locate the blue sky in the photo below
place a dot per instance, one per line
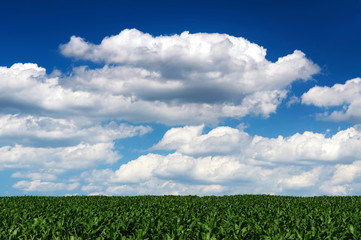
(180, 97)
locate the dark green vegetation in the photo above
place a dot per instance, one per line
(187, 217)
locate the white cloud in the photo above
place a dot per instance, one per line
(39, 186)
(26, 87)
(297, 148)
(339, 190)
(91, 188)
(205, 76)
(308, 147)
(44, 147)
(306, 179)
(216, 57)
(159, 187)
(346, 173)
(346, 96)
(184, 168)
(96, 176)
(45, 131)
(293, 100)
(189, 140)
(69, 121)
(40, 94)
(35, 175)
(222, 161)
(81, 156)
(229, 161)
(188, 78)
(176, 137)
(182, 174)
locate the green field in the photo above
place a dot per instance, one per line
(180, 217)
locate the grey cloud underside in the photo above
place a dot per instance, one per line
(207, 94)
(9, 106)
(154, 86)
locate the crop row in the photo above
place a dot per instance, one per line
(180, 217)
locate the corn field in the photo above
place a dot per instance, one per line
(180, 217)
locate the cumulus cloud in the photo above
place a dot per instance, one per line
(223, 160)
(28, 130)
(47, 176)
(346, 173)
(160, 187)
(39, 186)
(293, 100)
(335, 189)
(179, 79)
(182, 167)
(229, 161)
(46, 126)
(309, 146)
(182, 174)
(190, 140)
(217, 57)
(81, 156)
(345, 97)
(217, 74)
(28, 89)
(44, 147)
(305, 179)
(55, 123)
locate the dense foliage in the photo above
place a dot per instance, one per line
(180, 217)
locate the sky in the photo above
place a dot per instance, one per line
(180, 97)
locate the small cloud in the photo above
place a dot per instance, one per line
(40, 186)
(346, 98)
(293, 100)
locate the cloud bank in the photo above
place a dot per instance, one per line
(229, 161)
(57, 131)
